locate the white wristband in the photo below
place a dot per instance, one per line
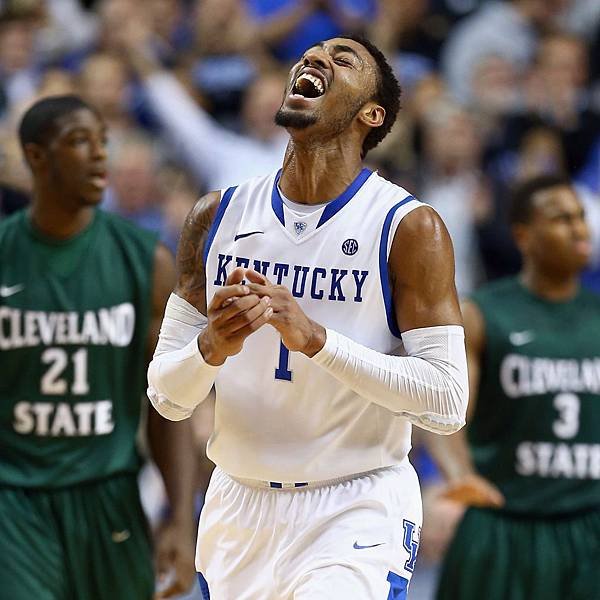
(178, 377)
(429, 387)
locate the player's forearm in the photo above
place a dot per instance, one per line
(451, 454)
(429, 387)
(172, 446)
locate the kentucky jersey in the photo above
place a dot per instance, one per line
(279, 416)
(536, 428)
(73, 324)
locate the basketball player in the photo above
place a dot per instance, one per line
(297, 292)
(79, 291)
(531, 469)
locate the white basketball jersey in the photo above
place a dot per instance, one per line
(279, 416)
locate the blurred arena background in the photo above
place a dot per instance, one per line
(494, 92)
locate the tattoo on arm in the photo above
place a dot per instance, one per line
(191, 277)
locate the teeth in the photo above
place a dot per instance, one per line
(314, 80)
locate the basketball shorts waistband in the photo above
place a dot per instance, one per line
(285, 485)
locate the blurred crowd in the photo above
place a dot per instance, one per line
(494, 91)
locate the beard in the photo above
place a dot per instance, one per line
(332, 127)
(294, 120)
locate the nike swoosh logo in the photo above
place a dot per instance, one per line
(239, 236)
(520, 338)
(10, 290)
(120, 536)
(357, 546)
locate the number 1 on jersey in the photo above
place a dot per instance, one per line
(282, 371)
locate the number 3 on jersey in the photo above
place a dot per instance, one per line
(283, 371)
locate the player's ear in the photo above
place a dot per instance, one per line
(372, 114)
(35, 155)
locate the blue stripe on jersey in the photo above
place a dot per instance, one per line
(336, 205)
(203, 587)
(398, 587)
(212, 232)
(332, 208)
(276, 201)
(383, 267)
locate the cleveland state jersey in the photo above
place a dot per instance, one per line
(73, 327)
(279, 416)
(536, 427)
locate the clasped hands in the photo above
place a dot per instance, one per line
(247, 302)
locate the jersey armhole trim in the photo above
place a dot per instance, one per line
(383, 267)
(212, 232)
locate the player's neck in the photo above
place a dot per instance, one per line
(315, 174)
(51, 217)
(556, 287)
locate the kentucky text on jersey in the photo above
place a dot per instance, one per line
(113, 325)
(318, 283)
(528, 376)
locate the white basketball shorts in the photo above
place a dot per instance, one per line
(350, 539)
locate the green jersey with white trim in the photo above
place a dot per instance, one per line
(74, 316)
(536, 428)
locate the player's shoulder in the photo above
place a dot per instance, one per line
(120, 227)
(388, 190)
(396, 202)
(249, 189)
(11, 226)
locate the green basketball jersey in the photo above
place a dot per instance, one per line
(536, 427)
(73, 327)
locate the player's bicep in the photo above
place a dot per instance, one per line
(421, 267)
(191, 276)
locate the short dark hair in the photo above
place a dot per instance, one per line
(521, 198)
(387, 93)
(39, 122)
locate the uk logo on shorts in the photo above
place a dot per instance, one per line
(350, 247)
(411, 545)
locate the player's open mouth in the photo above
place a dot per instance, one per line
(98, 179)
(309, 85)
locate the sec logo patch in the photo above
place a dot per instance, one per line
(350, 247)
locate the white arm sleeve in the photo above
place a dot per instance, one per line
(429, 387)
(178, 377)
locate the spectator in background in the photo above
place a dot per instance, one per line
(217, 157)
(399, 154)
(104, 79)
(295, 25)
(508, 29)
(179, 193)
(171, 24)
(133, 192)
(66, 28)
(19, 68)
(556, 96)
(496, 85)
(451, 182)
(540, 153)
